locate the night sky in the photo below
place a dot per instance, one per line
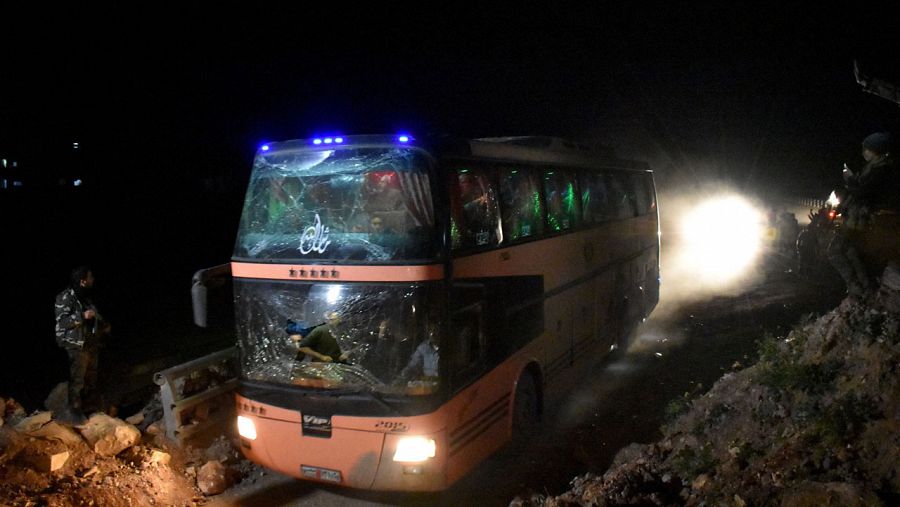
(749, 92)
(168, 107)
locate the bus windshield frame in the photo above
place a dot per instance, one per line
(367, 204)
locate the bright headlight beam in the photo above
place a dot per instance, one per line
(722, 237)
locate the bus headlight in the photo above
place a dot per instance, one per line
(246, 428)
(414, 449)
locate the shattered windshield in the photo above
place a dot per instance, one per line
(375, 338)
(362, 204)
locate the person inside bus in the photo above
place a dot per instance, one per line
(476, 203)
(319, 343)
(382, 235)
(519, 206)
(474, 198)
(378, 232)
(425, 359)
(381, 193)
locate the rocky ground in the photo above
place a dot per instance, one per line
(109, 462)
(814, 422)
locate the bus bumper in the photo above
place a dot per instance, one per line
(349, 457)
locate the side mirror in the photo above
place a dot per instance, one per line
(215, 276)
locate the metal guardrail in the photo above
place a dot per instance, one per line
(194, 386)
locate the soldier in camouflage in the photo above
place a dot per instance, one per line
(79, 329)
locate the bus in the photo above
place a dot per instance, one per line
(406, 307)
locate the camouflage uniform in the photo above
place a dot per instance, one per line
(80, 339)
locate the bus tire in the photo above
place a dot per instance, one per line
(526, 408)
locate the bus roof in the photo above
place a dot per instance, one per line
(551, 150)
(532, 149)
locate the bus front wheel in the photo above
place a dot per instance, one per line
(526, 410)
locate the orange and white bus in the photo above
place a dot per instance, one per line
(459, 281)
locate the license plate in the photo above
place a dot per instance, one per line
(320, 474)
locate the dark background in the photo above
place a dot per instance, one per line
(168, 106)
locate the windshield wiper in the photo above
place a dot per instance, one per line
(377, 397)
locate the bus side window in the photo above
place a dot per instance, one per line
(641, 193)
(594, 197)
(475, 217)
(621, 202)
(563, 201)
(645, 187)
(522, 211)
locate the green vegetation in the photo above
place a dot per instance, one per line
(816, 378)
(689, 462)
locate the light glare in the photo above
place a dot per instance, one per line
(414, 449)
(246, 428)
(723, 238)
(333, 294)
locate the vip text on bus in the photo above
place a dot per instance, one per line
(404, 308)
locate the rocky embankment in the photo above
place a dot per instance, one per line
(815, 422)
(108, 462)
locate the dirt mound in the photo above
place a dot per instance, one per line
(816, 421)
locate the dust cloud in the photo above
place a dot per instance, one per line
(711, 246)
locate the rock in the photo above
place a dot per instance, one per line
(221, 450)
(55, 431)
(49, 461)
(212, 478)
(156, 428)
(159, 457)
(700, 482)
(136, 419)
(109, 436)
(891, 277)
(152, 411)
(90, 473)
(628, 454)
(33, 422)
